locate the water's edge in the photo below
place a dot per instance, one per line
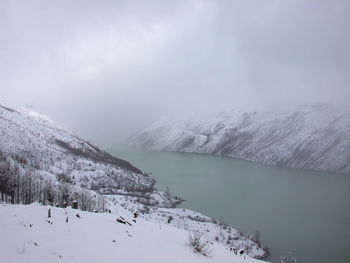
(293, 209)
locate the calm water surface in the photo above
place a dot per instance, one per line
(302, 211)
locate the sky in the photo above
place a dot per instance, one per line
(105, 69)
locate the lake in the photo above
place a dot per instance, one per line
(305, 212)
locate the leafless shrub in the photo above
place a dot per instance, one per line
(198, 246)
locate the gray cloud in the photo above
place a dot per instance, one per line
(107, 68)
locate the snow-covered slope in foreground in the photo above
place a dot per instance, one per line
(313, 137)
(27, 235)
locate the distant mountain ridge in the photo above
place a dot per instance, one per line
(313, 137)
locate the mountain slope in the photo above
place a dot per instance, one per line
(41, 162)
(312, 137)
(33, 146)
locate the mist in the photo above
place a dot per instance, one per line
(105, 69)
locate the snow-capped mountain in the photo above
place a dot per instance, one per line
(52, 152)
(41, 162)
(312, 137)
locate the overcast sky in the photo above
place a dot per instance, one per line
(105, 69)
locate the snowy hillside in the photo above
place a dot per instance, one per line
(28, 235)
(41, 162)
(313, 137)
(51, 150)
(34, 147)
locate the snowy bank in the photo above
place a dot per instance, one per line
(28, 235)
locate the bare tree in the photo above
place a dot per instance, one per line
(101, 203)
(86, 200)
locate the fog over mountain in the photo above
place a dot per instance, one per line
(314, 137)
(105, 69)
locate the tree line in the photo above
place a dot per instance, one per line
(20, 183)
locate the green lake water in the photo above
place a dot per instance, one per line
(295, 210)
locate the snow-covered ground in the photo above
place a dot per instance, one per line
(28, 235)
(209, 228)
